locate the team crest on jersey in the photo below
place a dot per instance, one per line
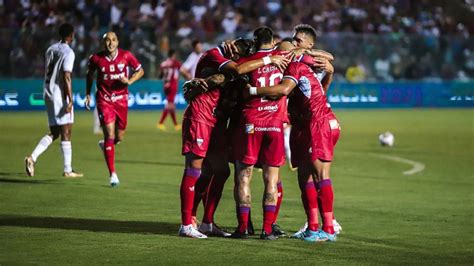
(102, 69)
(120, 67)
(305, 86)
(199, 142)
(249, 128)
(310, 150)
(112, 68)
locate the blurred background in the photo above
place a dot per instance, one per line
(373, 40)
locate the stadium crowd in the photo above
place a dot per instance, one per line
(424, 40)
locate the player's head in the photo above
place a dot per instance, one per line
(286, 46)
(110, 42)
(304, 36)
(172, 53)
(244, 47)
(263, 36)
(66, 32)
(197, 46)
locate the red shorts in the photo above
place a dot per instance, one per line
(113, 110)
(196, 136)
(314, 139)
(262, 142)
(170, 91)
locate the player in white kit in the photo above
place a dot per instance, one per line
(58, 101)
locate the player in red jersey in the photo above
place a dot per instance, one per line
(262, 120)
(313, 138)
(200, 119)
(169, 72)
(113, 67)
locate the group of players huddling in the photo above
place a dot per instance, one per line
(243, 94)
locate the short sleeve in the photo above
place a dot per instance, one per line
(292, 72)
(133, 61)
(218, 58)
(68, 63)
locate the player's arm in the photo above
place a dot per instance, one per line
(235, 69)
(89, 80)
(185, 73)
(68, 90)
(324, 65)
(196, 86)
(317, 53)
(282, 89)
(135, 76)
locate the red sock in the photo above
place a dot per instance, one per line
(109, 153)
(213, 197)
(326, 195)
(243, 217)
(268, 217)
(280, 198)
(173, 116)
(163, 116)
(310, 195)
(190, 176)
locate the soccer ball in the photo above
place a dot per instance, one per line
(387, 139)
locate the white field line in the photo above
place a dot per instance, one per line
(417, 166)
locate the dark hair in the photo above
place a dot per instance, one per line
(65, 30)
(195, 42)
(262, 35)
(171, 52)
(287, 39)
(245, 46)
(307, 29)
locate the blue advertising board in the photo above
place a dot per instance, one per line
(27, 94)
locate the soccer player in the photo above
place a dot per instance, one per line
(169, 72)
(314, 135)
(262, 120)
(58, 99)
(302, 38)
(188, 68)
(113, 67)
(200, 119)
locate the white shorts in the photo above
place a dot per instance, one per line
(55, 107)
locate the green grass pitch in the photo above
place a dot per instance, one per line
(387, 217)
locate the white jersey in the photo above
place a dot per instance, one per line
(191, 63)
(59, 59)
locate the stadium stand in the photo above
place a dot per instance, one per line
(427, 41)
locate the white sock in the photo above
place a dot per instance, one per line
(43, 144)
(66, 148)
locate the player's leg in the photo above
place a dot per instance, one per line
(172, 111)
(242, 195)
(66, 149)
(310, 202)
(287, 132)
(41, 147)
(275, 227)
(326, 135)
(270, 198)
(96, 127)
(326, 196)
(200, 189)
(192, 172)
(164, 114)
(221, 172)
(109, 151)
(195, 142)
